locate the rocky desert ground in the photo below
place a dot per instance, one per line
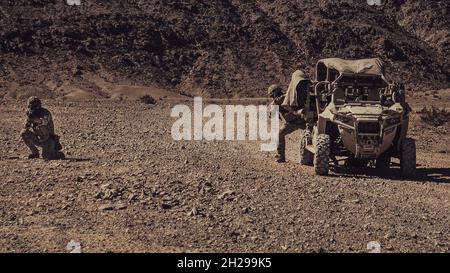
(127, 186)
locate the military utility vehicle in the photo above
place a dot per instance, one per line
(357, 116)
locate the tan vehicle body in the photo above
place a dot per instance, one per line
(378, 134)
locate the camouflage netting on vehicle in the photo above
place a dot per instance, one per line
(291, 93)
(373, 66)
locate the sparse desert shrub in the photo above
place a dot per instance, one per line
(184, 93)
(147, 99)
(434, 116)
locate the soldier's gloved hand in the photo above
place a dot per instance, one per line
(44, 138)
(44, 121)
(299, 113)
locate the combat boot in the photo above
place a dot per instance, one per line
(33, 155)
(280, 158)
(60, 155)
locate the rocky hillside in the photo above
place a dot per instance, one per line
(217, 48)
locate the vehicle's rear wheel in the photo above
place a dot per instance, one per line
(322, 155)
(408, 157)
(306, 157)
(383, 162)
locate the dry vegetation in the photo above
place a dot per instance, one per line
(434, 116)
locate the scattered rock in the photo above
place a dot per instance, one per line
(120, 206)
(106, 207)
(225, 194)
(131, 197)
(147, 99)
(193, 212)
(166, 205)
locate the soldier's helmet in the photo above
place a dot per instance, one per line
(274, 91)
(34, 103)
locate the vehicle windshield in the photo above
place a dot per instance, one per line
(357, 88)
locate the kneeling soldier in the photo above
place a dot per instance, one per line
(39, 131)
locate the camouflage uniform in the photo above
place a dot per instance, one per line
(292, 120)
(39, 131)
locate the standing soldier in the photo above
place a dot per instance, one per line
(39, 131)
(291, 109)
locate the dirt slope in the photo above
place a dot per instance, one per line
(214, 48)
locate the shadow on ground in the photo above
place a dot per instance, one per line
(434, 175)
(76, 159)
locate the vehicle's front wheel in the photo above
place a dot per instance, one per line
(306, 157)
(322, 155)
(408, 157)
